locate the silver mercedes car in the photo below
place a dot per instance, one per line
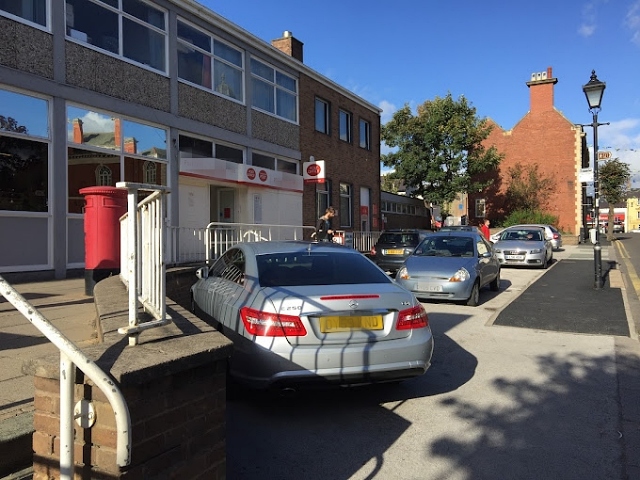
(312, 313)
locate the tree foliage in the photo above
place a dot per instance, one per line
(439, 152)
(390, 183)
(613, 177)
(528, 189)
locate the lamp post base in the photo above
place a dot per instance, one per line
(597, 264)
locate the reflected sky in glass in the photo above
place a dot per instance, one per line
(28, 112)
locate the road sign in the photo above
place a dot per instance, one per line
(604, 155)
(585, 175)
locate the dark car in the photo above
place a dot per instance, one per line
(394, 247)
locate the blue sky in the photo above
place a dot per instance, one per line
(409, 51)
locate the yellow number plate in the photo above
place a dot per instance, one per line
(394, 252)
(346, 324)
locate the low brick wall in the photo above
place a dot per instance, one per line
(174, 384)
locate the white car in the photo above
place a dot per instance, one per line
(551, 233)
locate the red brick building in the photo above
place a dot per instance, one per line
(544, 136)
(342, 130)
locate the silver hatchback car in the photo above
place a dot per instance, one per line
(302, 313)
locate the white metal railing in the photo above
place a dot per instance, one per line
(219, 236)
(70, 357)
(195, 245)
(364, 241)
(142, 250)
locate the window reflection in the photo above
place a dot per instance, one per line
(23, 114)
(23, 174)
(88, 168)
(24, 152)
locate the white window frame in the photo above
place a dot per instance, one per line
(46, 27)
(276, 88)
(347, 198)
(481, 208)
(124, 15)
(211, 54)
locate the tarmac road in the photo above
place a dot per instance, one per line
(497, 403)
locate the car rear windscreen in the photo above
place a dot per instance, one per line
(316, 268)
(399, 238)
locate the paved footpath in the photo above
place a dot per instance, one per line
(65, 305)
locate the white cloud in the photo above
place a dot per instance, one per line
(633, 22)
(621, 135)
(388, 109)
(588, 20)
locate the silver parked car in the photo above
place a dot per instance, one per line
(551, 233)
(524, 246)
(451, 265)
(303, 312)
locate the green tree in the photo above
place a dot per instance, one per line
(439, 152)
(613, 177)
(528, 189)
(390, 183)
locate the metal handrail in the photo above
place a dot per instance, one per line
(143, 269)
(71, 356)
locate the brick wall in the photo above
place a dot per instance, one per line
(345, 162)
(173, 383)
(544, 137)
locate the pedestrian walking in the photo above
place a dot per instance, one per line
(324, 231)
(485, 229)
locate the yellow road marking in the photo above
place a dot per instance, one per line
(624, 254)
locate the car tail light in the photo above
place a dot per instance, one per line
(265, 324)
(415, 317)
(555, 236)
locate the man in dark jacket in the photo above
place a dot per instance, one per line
(324, 231)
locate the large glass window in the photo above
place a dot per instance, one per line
(105, 149)
(346, 200)
(209, 63)
(34, 11)
(274, 91)
(133, 29)
(191, 147)
(345, 126)
(322, 116)
(24, 152)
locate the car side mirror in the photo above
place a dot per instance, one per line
(202, 273)
(486, 254)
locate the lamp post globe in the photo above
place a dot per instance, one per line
(593, 91)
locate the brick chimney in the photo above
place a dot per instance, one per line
(541, 91)
(77, 131)
(289, 45)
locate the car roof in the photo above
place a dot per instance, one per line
(455, 233)
(282, 246)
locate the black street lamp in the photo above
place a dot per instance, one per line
(593, 91)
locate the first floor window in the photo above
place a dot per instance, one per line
(365, 134)
(322, 116)
(273, 91)
(34, 11)
(346, 200)
(345, 126)
(480, 207)
(136, 30)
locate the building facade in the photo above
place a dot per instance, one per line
(546, 138)
(164, 92)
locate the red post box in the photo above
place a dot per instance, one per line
(103, 208)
